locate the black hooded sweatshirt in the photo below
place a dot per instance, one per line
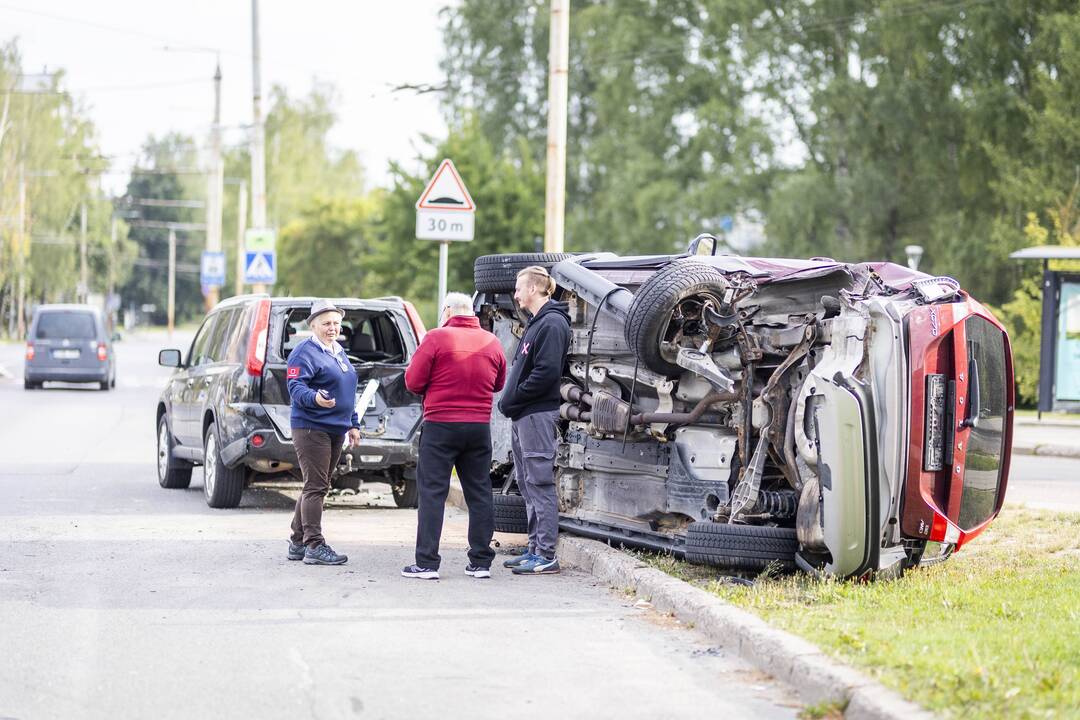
(533, 383)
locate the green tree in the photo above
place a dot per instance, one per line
(323, 252)
(508, 189)
(49, 168)
(164, 173)
(302, 166)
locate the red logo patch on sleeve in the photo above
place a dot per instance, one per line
(294, 372)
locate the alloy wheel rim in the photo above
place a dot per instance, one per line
(163, 450)
(210, 466)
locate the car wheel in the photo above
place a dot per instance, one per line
(740, 547)
(173, 474)
(104, 385)
(510, 515)
(222, 486)
(27, 385)
(404, 490)
(651, 323)
(498, 273)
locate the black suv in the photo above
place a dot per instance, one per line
(227, 405)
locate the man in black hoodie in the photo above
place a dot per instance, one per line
(531, 400)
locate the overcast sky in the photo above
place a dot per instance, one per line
(113, 54)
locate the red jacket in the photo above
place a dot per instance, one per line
(457, 368)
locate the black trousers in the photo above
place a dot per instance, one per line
(444, 446)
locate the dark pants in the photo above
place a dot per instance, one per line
(318, 453)
(444, 446)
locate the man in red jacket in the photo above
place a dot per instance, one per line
(457, 368)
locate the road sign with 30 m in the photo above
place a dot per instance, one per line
(445, 210)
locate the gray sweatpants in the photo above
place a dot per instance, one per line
(532, 441)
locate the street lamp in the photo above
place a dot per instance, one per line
(914, 254)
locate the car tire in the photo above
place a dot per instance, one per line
(173, 474)
(650, 312)
(405, 491)
(740, 547)
(104, 385)
(498, 273)
(27, 385)
(222, 486)
(510, 515)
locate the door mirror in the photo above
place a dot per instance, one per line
(703, 245)
(169, 358)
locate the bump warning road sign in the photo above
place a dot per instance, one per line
(445, 210)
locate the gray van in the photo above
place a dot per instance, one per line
(69, 343)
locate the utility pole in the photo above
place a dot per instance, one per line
(172, 281)
(558, 94)
(215, 186)
(241, 227)
(258, 137)
(84, 287)
(20, 259)
(110, 286)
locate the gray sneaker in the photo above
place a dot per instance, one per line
(323, 555)
(296, 551)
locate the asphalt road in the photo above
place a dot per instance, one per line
(120, 599)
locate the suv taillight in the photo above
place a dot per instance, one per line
(414, 320)
(102, 352)
(256, 355)
(29, 351)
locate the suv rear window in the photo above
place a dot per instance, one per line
(367, 336)
(73, 325)
(982, 468)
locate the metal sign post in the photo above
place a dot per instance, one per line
(445, 212)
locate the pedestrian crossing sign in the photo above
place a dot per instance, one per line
(260, 267)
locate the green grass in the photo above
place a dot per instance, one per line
(1032, 414)
(992, 632)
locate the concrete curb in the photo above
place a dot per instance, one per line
(816, 677)
(1046, 450)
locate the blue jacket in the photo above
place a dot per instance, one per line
(313, 368)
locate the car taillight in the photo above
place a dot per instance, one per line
(258, 441)
(414, 320)
(102, 352)
(29, 351)
(256, 355)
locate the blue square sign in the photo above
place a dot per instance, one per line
(260, 267)
(212, 270)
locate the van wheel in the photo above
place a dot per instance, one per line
(173, 474)
(510, 515)
(741, 547)
(104, 385)
(222, 486)
(653, 322)
(404, 490)
(498, 273)
(27, 385)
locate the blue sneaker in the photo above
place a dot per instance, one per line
(296, 551)
(415, 571)
(538, 565)
(519, 560)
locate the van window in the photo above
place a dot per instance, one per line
(66, 325)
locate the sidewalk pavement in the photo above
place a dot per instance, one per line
(1056, 438)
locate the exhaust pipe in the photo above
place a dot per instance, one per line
(593, 287)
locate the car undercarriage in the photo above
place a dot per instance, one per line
(733, 411)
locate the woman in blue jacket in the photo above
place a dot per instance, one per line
(322, 385)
